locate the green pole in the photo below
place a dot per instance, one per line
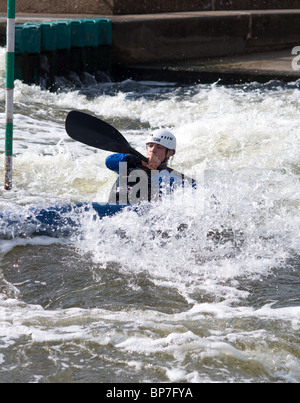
(10, 79)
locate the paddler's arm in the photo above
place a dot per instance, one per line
(112, 162)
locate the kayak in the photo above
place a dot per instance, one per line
(55, 221)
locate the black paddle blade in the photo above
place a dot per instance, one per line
(96, 133)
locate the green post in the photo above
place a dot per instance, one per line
(10, 79)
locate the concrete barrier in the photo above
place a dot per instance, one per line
(121, 7)
(167, 37)
(254, 4)
(162, 38)
(176, 37)
(61, 7)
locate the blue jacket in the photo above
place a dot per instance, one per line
(113, 161)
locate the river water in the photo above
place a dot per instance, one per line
(196, 289)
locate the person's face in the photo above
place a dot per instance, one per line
(157, 153)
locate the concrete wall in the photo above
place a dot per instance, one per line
(61, 6)
(175, 37)
(121, 7)
(254, 4)
(157, 6)
(166, 39)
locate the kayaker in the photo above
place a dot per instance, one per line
(141, 181)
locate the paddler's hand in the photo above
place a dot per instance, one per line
(153, 163)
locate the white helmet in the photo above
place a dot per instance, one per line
(164, 138)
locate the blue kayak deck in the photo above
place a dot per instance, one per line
(59, 220)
